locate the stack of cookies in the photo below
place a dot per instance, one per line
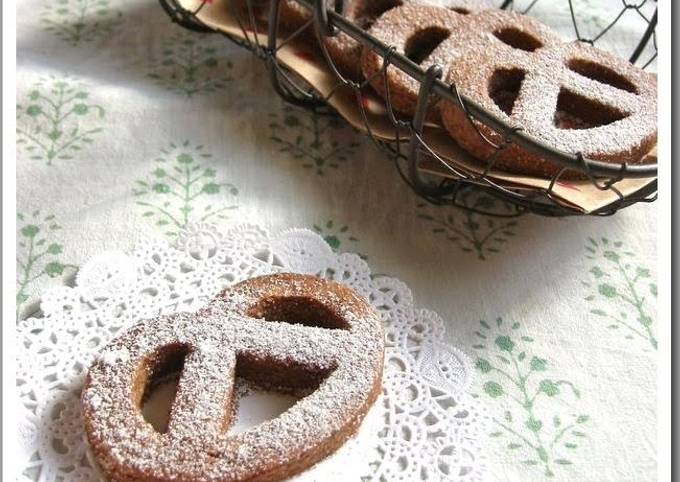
(570, 96)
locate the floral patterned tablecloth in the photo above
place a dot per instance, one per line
(129, 126)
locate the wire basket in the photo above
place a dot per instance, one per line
(408, 148)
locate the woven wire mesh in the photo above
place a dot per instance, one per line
(642, 55)
(409, 148)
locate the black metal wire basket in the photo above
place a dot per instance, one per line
(409, 148)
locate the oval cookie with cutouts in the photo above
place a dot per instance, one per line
(570, 96)
(281, 331)
(415, 31)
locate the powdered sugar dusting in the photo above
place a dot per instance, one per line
(196, 445)
(626, 136)
(626, 139)
(111, 357)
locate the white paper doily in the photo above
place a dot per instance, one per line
(424, 427)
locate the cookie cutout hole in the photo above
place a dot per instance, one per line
(254, 405)
(297, 310)
(158, 385)
(577, 112)
(517, 39)
(368, 12)
(600, 73)
(504, 88)
(266, 387)
(422, 43)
